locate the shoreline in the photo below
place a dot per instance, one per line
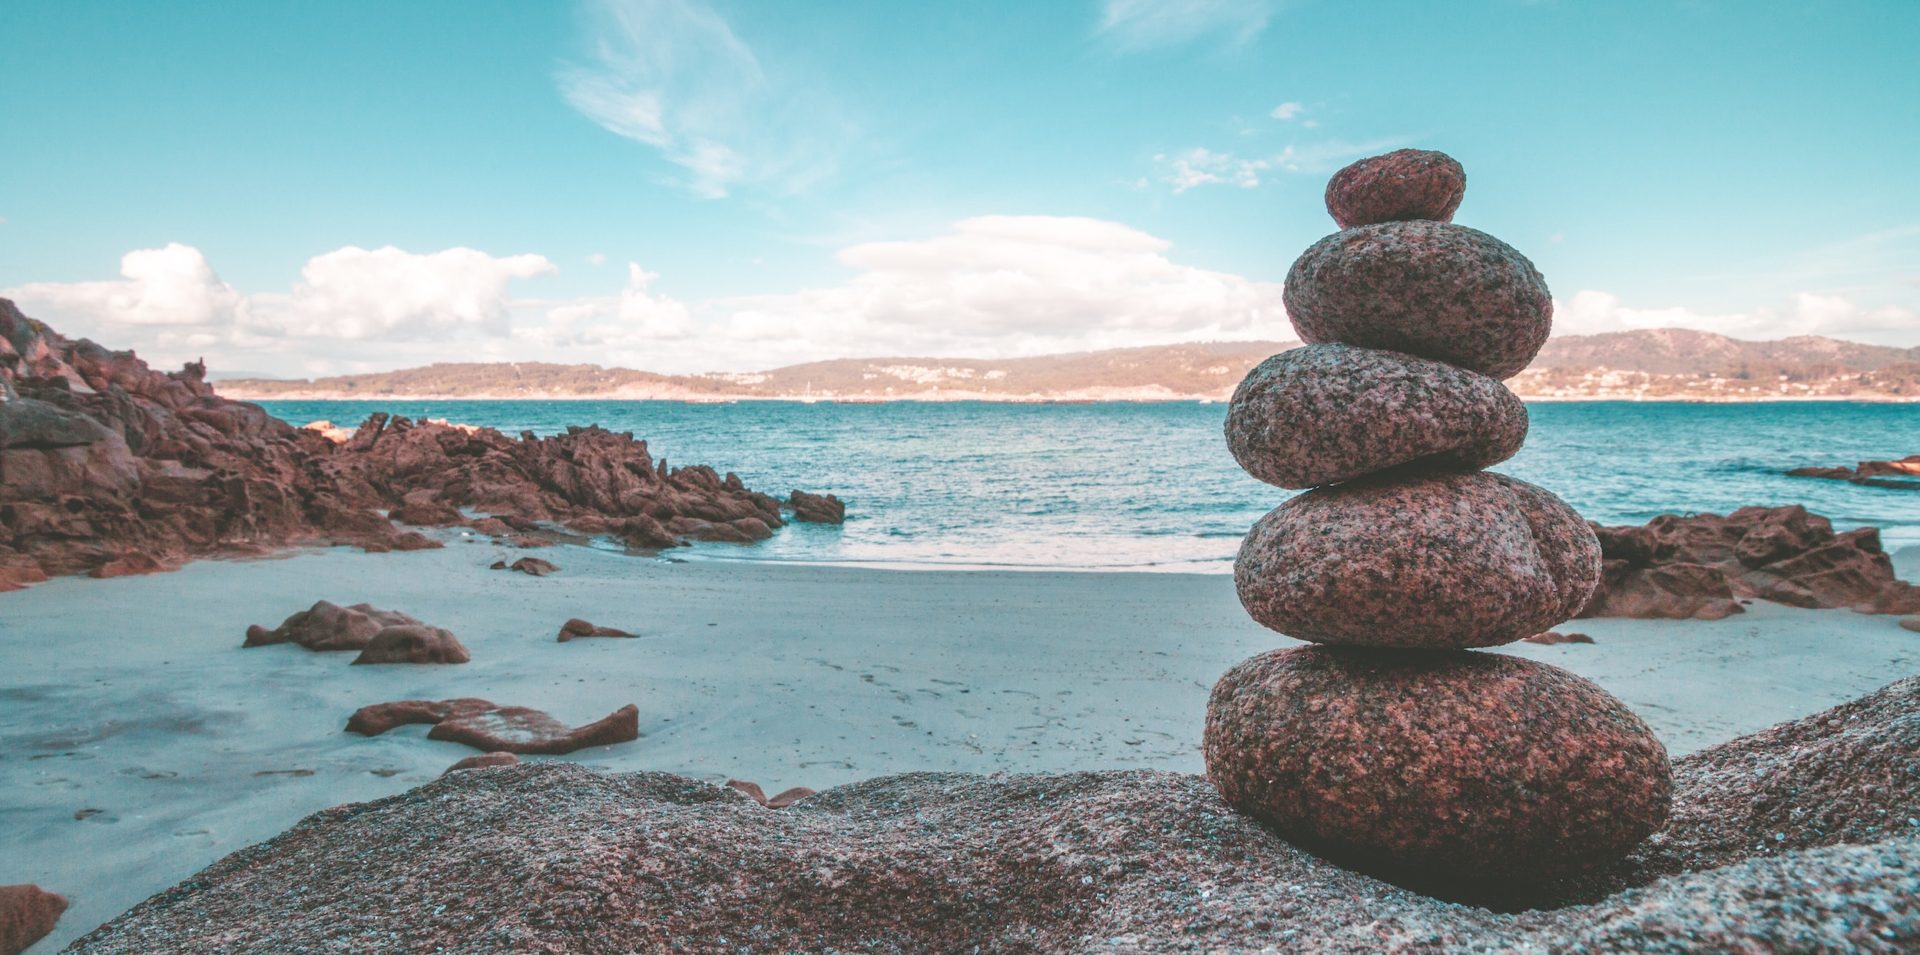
(133, 697)
(988, 398)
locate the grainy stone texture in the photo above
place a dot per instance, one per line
(413, 643)
(1450, 771)
(1400, 185)
(1418, 560)
(1431, 289)
(556, 857)
(1327, 413)
(492, 728)
(327, 626)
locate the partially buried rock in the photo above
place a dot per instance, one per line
(1553, 637)
(27, 914)
(782, 800)
(413, 643)
(1431, 289)
(531, 566)
(1911, 623)
(1435, 560)
(483, 761)
(1327, 413)
(577, 627)
(327, 626)
(491, 728)
(1454, 772)
(1403, 184)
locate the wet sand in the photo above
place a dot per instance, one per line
(139, 742)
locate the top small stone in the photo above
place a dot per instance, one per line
(1400, 185)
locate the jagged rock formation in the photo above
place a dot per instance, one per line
(1701, 566)
(108, 467)
(1903, 474)
(1391, 747)
(1794, 839)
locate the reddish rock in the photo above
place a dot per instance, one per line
(559, 857)
(1431, 289)
(18, 571)
(498, 729)
(1436, 769)
(1701, 565)
(328, 626)
(817, 508)
(427, 514)
(1421, 560)
(27, 914)
(491, 526)
(1400, 185)
(531, 566)
(1903, 474)
(1553, 637)
(128, 565)
(1328, 413)
(577, 627)
(483, 761)
(786, 797)
(413, 643)
(1911, 623)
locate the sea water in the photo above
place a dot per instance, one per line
(1152, 486)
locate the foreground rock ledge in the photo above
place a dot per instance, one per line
(555, 857)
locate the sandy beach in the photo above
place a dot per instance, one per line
(141, 742)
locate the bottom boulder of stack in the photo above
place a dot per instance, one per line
(1463, 774)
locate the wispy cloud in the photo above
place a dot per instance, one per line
(673, 75)
(1144, 24)
(1199, 166)
(1287, 111)
(1802, 313)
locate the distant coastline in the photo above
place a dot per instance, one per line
(1650, 365)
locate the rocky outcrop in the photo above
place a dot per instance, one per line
(531, 566)
(1327, 413)
(327, 626)
(27, 914)
(557, 857)
(1701, 566)
(1903, 474)
(110, 467)
(413, 643)
(491, 728)
(576, 628)
(817, 508)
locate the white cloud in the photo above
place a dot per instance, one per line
(1142, 24)
(636, 318)
(169, 286)
(1803, 313)
(389, 293)
(1199, 166)
(597, 259)
(1287, 111)
(672, 74)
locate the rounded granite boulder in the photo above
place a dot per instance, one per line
(1447, 771)
(1325, 413)
(1418, 560)
(1400, 185)
(1430, 289)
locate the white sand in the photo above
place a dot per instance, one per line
(134, 698)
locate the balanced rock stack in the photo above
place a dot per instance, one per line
(1388, 745)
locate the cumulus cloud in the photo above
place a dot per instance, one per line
(388, 293)
(673, 75)
(636, 318)
(1804, 313)
(1143, 24)
(169, 286)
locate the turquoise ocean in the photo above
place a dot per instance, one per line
(1151, 486)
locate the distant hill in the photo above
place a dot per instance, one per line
(1659, 363)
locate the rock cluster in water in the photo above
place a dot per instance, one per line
(1391, 746)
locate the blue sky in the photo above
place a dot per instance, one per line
(695, 184)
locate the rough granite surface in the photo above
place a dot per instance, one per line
(1418, 560)
(554, 857)
(1321, 414)
(1431, 289)
(1400, 185)
(1460, 772)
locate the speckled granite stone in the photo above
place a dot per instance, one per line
(1325, 413)
(1400, 185)
(1431, 289)
(1418, 560)
(1436, 768)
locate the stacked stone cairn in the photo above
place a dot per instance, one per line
(1388, 744)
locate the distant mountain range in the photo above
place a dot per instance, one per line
(1667, 363)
